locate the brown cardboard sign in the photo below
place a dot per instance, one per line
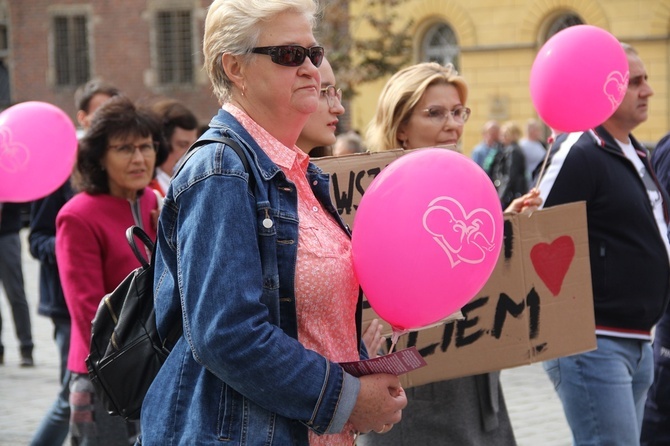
(537, 304)
(351, 175)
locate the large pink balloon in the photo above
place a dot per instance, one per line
(579, 78)
(38, 144)
(426, 237)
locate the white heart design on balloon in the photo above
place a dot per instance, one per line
(615, 87)
(14, 156)
(466, 237)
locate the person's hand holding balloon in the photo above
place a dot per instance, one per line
(373, 339)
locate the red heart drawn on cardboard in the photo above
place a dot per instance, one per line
(552, 260)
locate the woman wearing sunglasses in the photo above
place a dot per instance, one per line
(424, 105)
(255, 262)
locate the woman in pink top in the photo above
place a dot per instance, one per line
(320, 128)
(115, 163)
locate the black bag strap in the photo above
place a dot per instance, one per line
(136, 231)
(223, 140)
(176, 331)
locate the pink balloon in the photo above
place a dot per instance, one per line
(38, 145)
(426, 237)
(579, 78)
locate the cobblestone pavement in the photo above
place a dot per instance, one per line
(26, 393)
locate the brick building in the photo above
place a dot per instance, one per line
(147, 48)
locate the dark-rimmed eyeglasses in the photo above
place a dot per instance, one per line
(128, 150)
(292, 55)
(331, 93)
(439, 115)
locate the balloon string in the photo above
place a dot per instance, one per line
(394, 338)
(550, 140)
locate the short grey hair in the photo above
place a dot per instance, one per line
(234, 27)
(629, 49)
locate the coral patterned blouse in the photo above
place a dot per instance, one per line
(326, 289)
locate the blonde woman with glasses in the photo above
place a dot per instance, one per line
(424, 105)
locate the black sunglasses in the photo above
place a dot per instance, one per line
(292, 55)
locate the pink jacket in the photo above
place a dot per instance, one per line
(94, 257)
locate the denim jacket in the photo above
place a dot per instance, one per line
(226, 259)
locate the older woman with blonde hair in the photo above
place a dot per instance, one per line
(424, 105)
(255, 263)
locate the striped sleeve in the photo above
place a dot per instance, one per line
(565, 178)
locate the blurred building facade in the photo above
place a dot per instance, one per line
(493, 43)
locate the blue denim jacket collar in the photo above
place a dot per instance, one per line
(226, 123)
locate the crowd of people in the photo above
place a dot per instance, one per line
(508, 159)
(256, 263)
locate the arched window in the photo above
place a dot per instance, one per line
(440, 45)
(561, 22)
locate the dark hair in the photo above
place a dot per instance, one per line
(173, 114)
(319, 151)
(116, 118)
(85, 92)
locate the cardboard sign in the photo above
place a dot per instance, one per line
(350, 175)
(537, 304)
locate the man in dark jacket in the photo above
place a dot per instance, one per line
(54, 427)
(11, 276)
(604, 391)
(656, 423)
(42, 238)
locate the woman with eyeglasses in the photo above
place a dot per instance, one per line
(254, 261)
(319, 130)
(424, 105)
(115, 162)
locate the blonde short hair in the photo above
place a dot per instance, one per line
(511, 130)
(234, 27)
(399, 97)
